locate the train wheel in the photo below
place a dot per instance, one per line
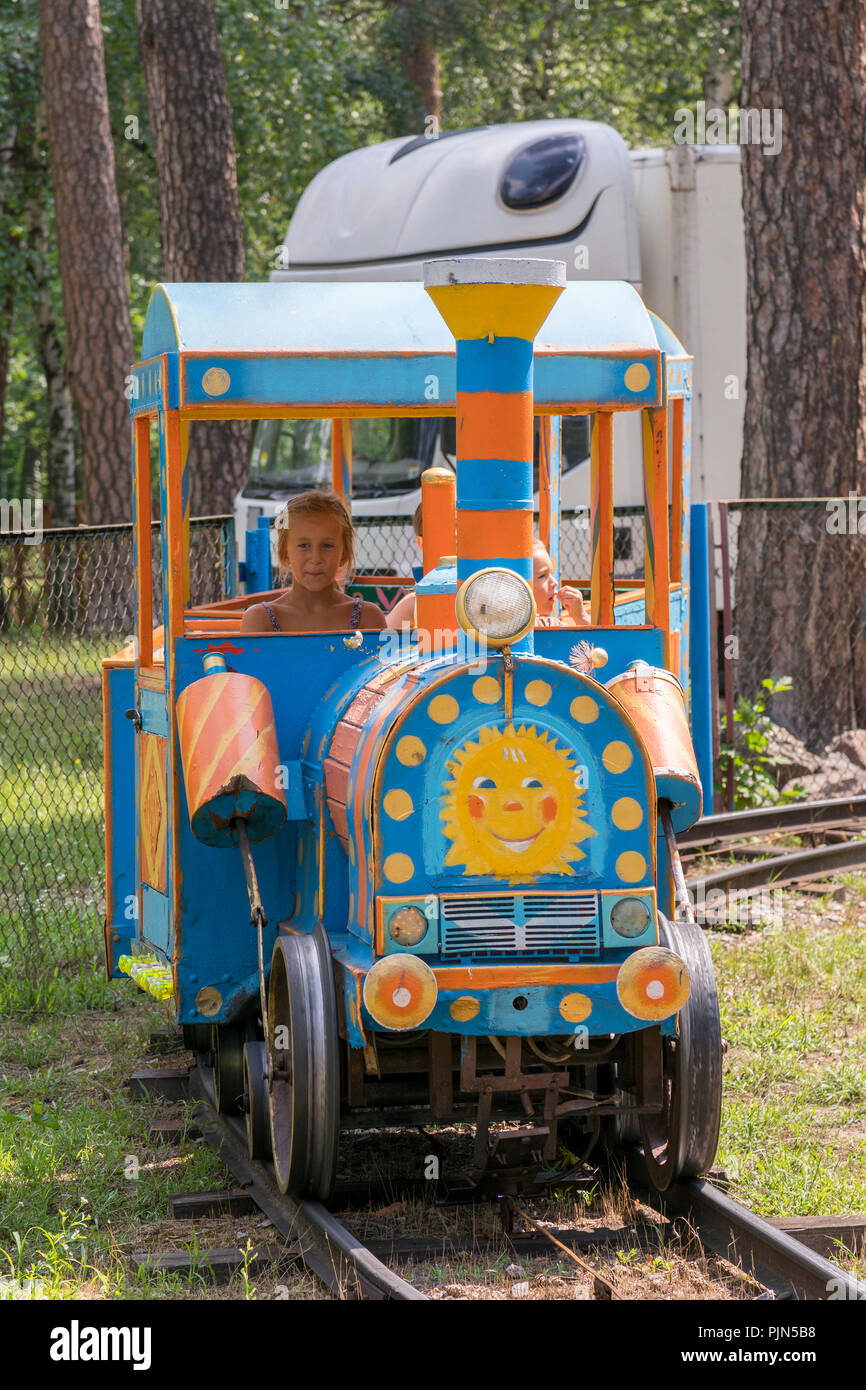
(681, 1141)
(228, 1065)
(197, 1036)
(305, 1088)
(256, 1100)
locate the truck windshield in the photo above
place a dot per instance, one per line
(388, 456)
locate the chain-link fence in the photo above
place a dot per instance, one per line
(386, 545)
(790, 589)
(65, 603)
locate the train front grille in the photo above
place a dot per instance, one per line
(534, 924)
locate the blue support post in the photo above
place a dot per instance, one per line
(699, 651)
(258, 561)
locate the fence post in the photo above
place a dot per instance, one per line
(702, 633)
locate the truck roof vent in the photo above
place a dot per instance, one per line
(542, 172)
(425, 142)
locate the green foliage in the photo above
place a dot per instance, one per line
(310, 80)
(750, 755)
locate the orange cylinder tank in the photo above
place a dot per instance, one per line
(654, 700)
(231, 759)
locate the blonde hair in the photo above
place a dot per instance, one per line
(327, 504)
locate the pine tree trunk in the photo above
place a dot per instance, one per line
(799, 584)
(99, 349)
(61, 424)
(421, 60)
(202, 234)
(8, 145)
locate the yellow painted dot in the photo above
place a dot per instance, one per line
(626, 813)
(443, 709)
(575, 1007)
(538, 692)
(631, 866)
(398, 804)
(464, 1008)
(410, 751)
(617, 756)
(637, 377)
(584, 709)
(216, 381)
(398, 868)
(486, 690)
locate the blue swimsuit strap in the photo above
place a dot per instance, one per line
(353, 621)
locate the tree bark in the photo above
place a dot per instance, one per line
(60, 463)
(99, 349)
(421, 59)
(799, 584)
(202, 234)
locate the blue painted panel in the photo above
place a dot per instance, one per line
(214, 943)
(397, 382)
(494, 484)
(155, 925)
(122, 898)
(503, 366)
(699, 652)
(154, 712)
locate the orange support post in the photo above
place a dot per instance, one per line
(341, 460)
(677, 492)
(601, 518)
(438, 539)
(144, 585)
(657, 566)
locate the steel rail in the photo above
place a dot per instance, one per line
(795, 815)
(774, 1258)
(780, 869)
(326, 1247)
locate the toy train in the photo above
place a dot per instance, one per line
(436, 884)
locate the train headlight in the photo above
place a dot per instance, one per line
(408, 926)
(629, 917)
(496, 606)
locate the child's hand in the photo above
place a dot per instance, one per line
(572, 601)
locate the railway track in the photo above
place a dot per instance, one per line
(840, 818)
(351, 1269)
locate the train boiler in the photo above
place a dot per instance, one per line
(440, 884)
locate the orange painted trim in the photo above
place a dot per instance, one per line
(493, 426)
(143, 578)
(601, 517)
(544, 509)
(518, 976)
(154, 679)
(661, 614)
(677, 492)
(439, 525)
(505, 534)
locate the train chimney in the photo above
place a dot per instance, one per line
(494, 308)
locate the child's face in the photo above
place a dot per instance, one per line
(315, 550)
(543, 582)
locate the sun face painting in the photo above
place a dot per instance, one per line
(513, 807)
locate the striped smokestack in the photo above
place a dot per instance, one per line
(494, 308)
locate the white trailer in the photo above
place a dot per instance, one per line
(667, 221)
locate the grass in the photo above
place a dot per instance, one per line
(793, 1001)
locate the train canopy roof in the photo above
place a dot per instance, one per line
(381, 348)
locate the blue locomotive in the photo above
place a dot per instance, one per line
(439, 882)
